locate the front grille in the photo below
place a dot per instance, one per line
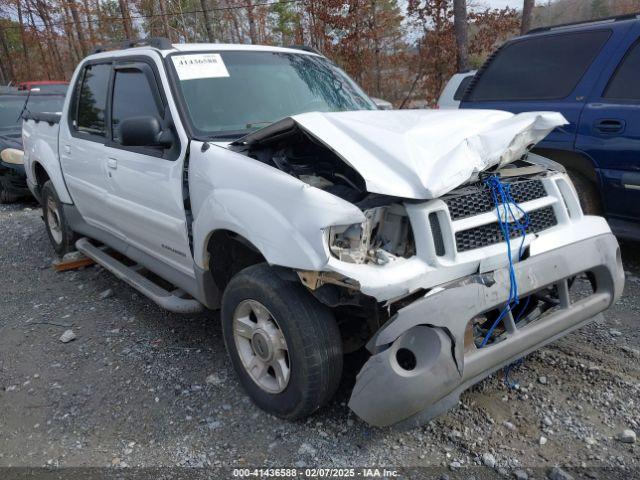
(491, 234)
(481, 201)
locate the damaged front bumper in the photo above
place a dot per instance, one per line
(431, 331)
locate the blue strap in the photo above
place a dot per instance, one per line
(506, 207)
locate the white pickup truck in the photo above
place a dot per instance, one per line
(264, 182)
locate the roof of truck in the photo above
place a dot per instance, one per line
(165, 48)
(194, 47)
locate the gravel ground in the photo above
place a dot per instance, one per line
(141, 387)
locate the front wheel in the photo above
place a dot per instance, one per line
(60, 235)
(284, 345)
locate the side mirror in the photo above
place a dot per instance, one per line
(143, 132)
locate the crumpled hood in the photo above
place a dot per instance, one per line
(423, 154)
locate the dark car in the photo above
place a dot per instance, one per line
(13, 105)
(590, 72)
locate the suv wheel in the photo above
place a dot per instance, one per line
(61, 236)
(284, 345)
(587, 193)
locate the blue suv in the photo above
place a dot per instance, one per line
(590, 72)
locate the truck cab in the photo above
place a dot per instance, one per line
(587, 71)
(263, 182)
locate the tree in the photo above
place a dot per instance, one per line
(164, 19)
(126, 18)
(4, 46)
(437, 44)
(252, 22)
(527, 14)
(460, 26)
(208, 24)
(285, 19)
(599, 9)
(79, 29)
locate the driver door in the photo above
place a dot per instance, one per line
(145, 183)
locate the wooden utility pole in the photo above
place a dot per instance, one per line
(527, 14)
(460, 27)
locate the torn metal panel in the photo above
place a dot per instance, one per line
(419, 154)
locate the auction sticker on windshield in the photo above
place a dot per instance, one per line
(202, 65)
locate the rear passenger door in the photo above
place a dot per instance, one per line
(146, 198)
(610, 132)
(81, 144)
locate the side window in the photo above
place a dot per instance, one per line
(133, 96)
(625, 83)
(539, 68)
(92, 100)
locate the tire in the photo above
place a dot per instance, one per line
(587, 193)
(312, 340)
(6, 197)
(61, 236)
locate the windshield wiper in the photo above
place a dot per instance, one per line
(24, 107)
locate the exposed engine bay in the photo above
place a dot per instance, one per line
(385, 234)
(297, 153)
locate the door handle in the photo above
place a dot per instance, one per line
(609, 126)
(112, 163)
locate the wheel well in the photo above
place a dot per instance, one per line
(41, 175)
(572, 161)
(228, 254)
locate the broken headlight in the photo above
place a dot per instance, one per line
(384, 235)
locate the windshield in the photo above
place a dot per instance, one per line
(11, 106)
(45, 103)
(244, 91)
(51, 88)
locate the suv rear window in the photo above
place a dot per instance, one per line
(625, 84)
(539, 68)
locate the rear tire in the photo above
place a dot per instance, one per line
(587, 193)
(61, 236)
(284, 345)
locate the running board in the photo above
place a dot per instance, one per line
(167, 300)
